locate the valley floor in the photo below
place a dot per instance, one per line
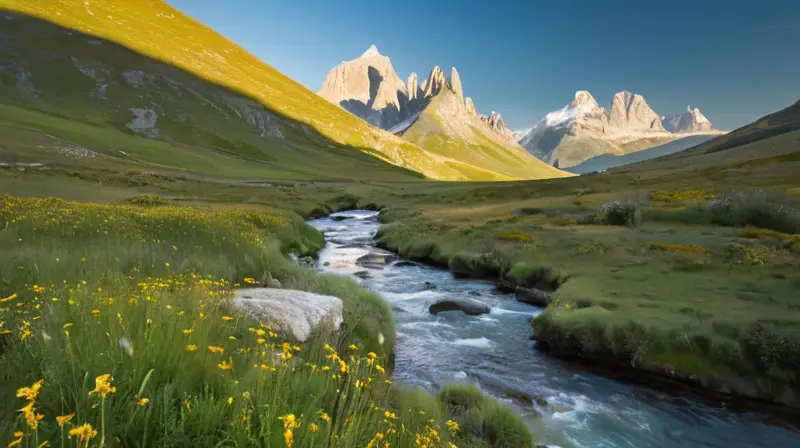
(679, 289)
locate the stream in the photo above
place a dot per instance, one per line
(493, 351)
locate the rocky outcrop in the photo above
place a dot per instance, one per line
(368, 87)
(532, 296)
(467, 306)
(455, 83)
(495, 121)
(691, 121)
(631, 113)
(414, 90)
(436, 82)
(296, 314)
(471, 107)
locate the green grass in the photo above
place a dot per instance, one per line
(139, 292)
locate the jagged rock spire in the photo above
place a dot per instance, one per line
(455, 83)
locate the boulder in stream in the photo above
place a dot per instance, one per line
(468, 306)
(339, 218)
(294, 313)
(362, 274)
(406, 263)
(532, 296)
(377, 259)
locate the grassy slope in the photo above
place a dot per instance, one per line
(677, 292)
(208, 93)
(608, 161)
(445, 128)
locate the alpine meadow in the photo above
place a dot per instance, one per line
(197, 250)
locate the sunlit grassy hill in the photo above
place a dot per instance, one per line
(141, 82)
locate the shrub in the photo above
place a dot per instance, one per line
(620, 213)
(757, 208)
(533, 276)
(563, 221)
(517, 237)
(148, 200)
(738, 253)
(680, 195)
(679, 248)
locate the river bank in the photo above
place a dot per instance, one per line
(565, 406)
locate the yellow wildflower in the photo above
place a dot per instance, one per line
(62, 419)
(215, 349)
(230, 400)
(18, 435)
(84, 432)
(250, 280)
(352, 347)
(260, 341)
(9, 298)
(224, 365)
(95, 313)
(191, 348)
(288, 437)
(187, 331)
(452, 425)
(102, 386)
(260, 332)
(141, 401)
(227, 318)
(324, 416)
(31, 417)
(30, 393)
(313, 427)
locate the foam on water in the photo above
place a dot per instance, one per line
(476, 342)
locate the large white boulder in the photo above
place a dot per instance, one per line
(291, 312)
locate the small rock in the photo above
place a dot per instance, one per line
(405, 263)
(473, 293)
(535, 297)
(295, 313)
(362, 274)
(327, 263)
(339, 218)
(306, 261)
(468, 306)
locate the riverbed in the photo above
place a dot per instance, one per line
(564, 406)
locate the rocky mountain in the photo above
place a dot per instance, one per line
(691, 121)
(447, 128)
(369, 88)
(142, 85)
(630, 112)
(583, 129)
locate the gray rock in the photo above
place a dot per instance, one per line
(294, 313)
(406, 263)
(362, 274)
(468, 306)
(376, 259)
(535, 297)
(339, 218)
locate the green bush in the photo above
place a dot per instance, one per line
(620, 213)
(757, 208)
(148, 200)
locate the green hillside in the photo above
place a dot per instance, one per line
(447, 129)
(142, 83)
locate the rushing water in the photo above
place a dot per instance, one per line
(494, 352)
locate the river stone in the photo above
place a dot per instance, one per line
(535, 297)
(406, 263)
(339, 218)
(362, 274)
(376, 259)
(468, 306)
(473, 293)
(291, 312)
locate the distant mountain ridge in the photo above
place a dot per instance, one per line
(369, 88)
(434, 115)
(583, 129)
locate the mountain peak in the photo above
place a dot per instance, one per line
(691, 121)
(630, 112)
(584, 98)
(372, 51)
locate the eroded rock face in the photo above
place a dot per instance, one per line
(630, 112)
(455, 82)
(369, 88)
(471, 107)
(296, 314)
(495, 121)
(468, 306)
(691, 121)
(436, 82)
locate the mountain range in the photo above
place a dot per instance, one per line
(433, 114)
(583, 129)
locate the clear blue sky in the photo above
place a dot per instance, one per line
(735, 60)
